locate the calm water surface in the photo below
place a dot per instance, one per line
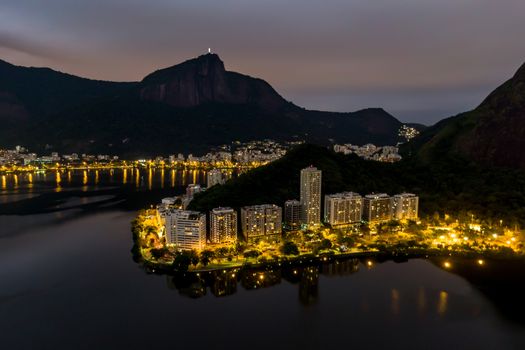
(68, 281)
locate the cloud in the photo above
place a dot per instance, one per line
(30, 47)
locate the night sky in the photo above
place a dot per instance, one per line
(421, 60)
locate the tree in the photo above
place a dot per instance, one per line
(206, 256)
(365, 229)
(290, 248)
(222, 252)
(252, 253)
(412, 227)
(194, 257)
(239, 247)
(392, 226)
(182, 262)
(325, 244)
(157, 253)
(347, 240)
(150, 229)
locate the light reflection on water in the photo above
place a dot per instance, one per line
(389, 298)
(442, 305)
(149, 178)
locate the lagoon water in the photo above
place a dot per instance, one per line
(68, 281)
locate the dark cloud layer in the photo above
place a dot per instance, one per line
(422, 60)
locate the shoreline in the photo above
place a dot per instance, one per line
(307, 259)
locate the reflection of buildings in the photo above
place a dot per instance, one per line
(223, 283)
(223, 225)
(309, 285)
(310, 196)
(406, 300)
(252, 279)
(405, 206)
(342, 209)
(340, 268)
(261, 221)
(189, 285)
(377, 207)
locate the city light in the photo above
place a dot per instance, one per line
(265, 243)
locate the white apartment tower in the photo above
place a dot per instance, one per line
(405, 206)
(310, 196)
(377, 207)
(223, 225)
(343, 208)
(186, 229)
(259, 221)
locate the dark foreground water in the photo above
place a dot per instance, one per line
(68, 281)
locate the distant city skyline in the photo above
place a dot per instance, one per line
(421, 61)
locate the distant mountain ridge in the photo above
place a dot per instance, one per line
(40, 91)
(188, 107)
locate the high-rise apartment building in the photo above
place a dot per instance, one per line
(310, 196)
(186, 229)
(377, 207)
(405, 206)
(223, 225)
(260, 221)
(292, 214)
(343, 208)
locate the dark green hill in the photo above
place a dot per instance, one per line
(451, 187)
(493, 134)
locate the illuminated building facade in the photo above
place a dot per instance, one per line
(193, 189)
(405, 206)
(260, 221)
(292, 214)
(186, 229)
(342, 209)
(223, 225)
(310, 196)
(377, 208)
(215, 177)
